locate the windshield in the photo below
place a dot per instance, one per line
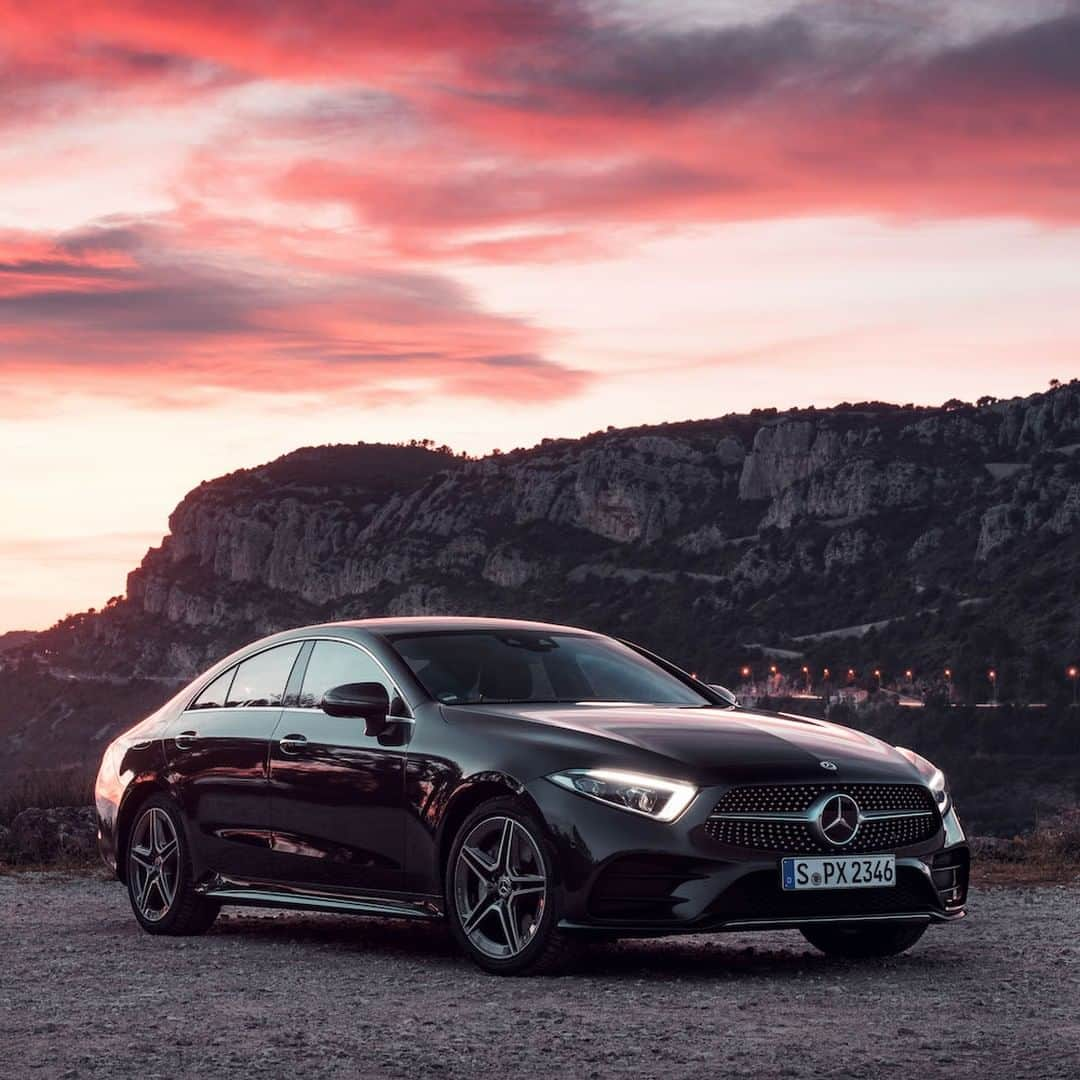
(474, 667)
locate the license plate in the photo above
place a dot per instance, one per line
(842, 872)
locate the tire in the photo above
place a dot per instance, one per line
(159, 877)
(864, 942)
(503, 895)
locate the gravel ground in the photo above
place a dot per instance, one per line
(84, 993)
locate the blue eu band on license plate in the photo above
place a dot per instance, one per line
(838, 872)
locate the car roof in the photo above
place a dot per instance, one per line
(426, 624)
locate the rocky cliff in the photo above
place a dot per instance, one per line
(955, 530)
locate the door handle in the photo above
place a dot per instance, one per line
(185, 740)
(292, 744)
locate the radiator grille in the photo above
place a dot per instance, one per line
(794, 798)
(764, 833)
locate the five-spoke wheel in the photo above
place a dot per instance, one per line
(154, 864)
(159, 878)
(502, 893)
(500, 887)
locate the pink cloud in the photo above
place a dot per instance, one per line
(490, 130)
(122, 311)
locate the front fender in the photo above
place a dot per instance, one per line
(450, 806)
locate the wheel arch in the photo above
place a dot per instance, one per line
(137, 794)
(470, 794)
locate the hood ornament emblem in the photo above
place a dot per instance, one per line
(830, 765)
(838, 820)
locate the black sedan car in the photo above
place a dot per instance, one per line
(535, 785)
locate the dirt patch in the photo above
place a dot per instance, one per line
(84, 993)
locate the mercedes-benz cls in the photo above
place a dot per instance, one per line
(534, 785)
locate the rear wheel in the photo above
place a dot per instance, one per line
(159, 877)
(502, 893)
(863, 942)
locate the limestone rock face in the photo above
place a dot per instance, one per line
(509, 569)
(848, 547)
(995, 531)
(744, 528)
(730, 451)
(852, 490)
(784, 453)
(699, 541)
(929, 541)
(1066, 516)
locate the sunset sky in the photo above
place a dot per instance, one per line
(231, 229)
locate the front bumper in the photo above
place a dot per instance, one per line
(624, 873)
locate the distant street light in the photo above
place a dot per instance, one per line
(909, 674)
(806, 677)
(745, 673)
(1074, 673)
(992, 676)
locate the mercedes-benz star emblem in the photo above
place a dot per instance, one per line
(838, 820)
(830, 765)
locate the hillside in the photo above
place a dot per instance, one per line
(15, 639)
(930, 537)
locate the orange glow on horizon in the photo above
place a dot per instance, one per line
(230, 230)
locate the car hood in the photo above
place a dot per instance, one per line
(716, 745)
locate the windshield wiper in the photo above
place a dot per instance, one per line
(579, 701)
(515, 701)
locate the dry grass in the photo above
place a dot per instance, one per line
(66, 867)
(1008, 874)
(1048, 855)
(47, 789)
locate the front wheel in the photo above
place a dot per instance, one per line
(159, 877)
(502, 893)
(864, 942)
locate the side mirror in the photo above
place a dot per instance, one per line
(725, 693)
(367, 701)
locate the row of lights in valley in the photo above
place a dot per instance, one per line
(1072, 672)
(747, 672)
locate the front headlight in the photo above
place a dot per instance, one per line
(933, 777)
(663, 800)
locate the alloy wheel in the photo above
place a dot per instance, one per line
(154, 864)
(500, 887)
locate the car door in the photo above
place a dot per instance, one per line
(218, 752)
(336, 793)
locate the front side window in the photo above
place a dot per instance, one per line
(474, 667)
(334, 663)
(261, 680)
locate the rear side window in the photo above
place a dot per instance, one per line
(334, 664)
(216, 694)
(261, 680)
